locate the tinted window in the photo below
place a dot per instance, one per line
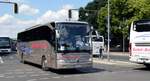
(73, 36)
(41, 33)
(142, 26)
(4, 42)
(100, 39)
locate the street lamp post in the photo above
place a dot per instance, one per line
(108, 31)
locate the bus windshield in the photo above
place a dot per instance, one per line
(73, 37)
(99, 39)
(142, 26)
(4, 42)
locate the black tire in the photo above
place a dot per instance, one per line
(147, 65)
(44, 64)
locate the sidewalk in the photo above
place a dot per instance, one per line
(118, 53)
(114, 61)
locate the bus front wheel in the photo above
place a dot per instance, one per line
(44, 64)
(147, 65)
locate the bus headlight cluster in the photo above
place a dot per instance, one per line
(90, 59)
(61, 61)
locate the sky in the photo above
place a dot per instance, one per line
(33, 12)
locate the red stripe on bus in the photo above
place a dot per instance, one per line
(39, 45)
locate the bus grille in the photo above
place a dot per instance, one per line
(142, 44)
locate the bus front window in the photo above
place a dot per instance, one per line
(73, 37)
(142, 26)
(4, 43)
(100, 39)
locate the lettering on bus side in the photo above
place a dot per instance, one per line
(141, 49)
(24, 48)
(39, 45)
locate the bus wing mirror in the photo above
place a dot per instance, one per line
(57, 34)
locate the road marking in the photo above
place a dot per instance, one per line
(8, 73)
(76, 75)
(21, 76)
(56, 77)
(10, 77)
(28, 69)
(19, 72)
(1, 60)
(29, 72)
(44, 78)
(1, 75)
(32, 80)
(34, 75)
(41, 72)
(67, 76)
(45, 74)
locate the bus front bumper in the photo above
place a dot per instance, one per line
(140, 60)
(73, 65)
(5, 50)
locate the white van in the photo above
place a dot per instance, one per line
(97, 43)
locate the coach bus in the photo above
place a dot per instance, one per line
(5, 45)
(57, 45)
(140, 42)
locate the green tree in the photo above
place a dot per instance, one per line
(89, 13)
(122, 13)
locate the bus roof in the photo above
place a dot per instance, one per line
(49, 24)
(37, 26)
(82, 22)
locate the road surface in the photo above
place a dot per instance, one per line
(13, 70)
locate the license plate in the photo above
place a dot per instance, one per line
(73, 60)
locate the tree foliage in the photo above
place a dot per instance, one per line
(89, 13)
(122, 13)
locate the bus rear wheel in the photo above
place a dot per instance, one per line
(44, 64)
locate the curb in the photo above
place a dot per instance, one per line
(118, 53)
(114, 62)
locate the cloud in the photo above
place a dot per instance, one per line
(7, 19)
(11, 25)
(59, 15)
(28, 10)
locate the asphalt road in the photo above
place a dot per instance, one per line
(13, 70)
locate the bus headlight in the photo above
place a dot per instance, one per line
(90, 59)
(61, 61)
